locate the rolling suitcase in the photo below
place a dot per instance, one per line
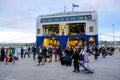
(87, 67)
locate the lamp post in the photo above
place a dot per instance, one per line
(113, 35)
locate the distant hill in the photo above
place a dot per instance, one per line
(16, 44)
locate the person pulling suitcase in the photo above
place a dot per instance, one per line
(76, 60)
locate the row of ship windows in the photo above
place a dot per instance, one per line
(90, 30)
(70, 18)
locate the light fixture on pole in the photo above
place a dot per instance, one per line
(113, 35)
(64, 8)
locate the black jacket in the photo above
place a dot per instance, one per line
(75, 56)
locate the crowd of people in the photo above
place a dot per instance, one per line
(70, 55)
(11, 54)
(7, 55)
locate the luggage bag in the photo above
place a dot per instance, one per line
(87, 67)
(66, 60)
(43, 61)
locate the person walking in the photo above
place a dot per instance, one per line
(39, 53)
(29, 52)
(17, 53)
(76, 59)
(50, 53)
(103, 52)
(10, 57)
(34, 53)
(96, 53)
(22, 52)
(86, 56)
(82, 54)
(55, 53)
(68, 56)
(26, 52)
(44, 52)
(59, 52)
(2, 54)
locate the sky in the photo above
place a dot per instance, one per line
(18, 17)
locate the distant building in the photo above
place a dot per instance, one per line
(67, 29)
(109, 43)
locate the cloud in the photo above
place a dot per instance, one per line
(14, 36)
(18, 17)
(35, 5)
(17, 23)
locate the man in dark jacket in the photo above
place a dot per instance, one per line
(22, 52)
(2, 54)
(76, 59)
(34, 52)
(96, 53)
